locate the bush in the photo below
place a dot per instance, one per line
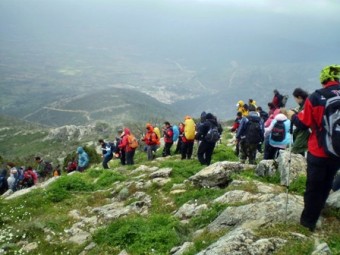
(60, 189)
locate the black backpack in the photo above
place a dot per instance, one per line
(212, 135)
(278, 133)
(329, 137)
(253, 132)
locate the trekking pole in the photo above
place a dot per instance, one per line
(289, 164)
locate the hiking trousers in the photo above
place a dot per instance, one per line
(129, 157)
(166, 150)
(320, 176)
(187, 148)
(205, 151)
(106, 160)
(247, 150)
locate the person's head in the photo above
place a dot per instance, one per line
(240, 103)
(259, 109)
(149, 127)
(119, 131)
(29, 169)
(330, 73)
(101, 141)
(37, 159)
(239, 114)
(300, 95)
(271, 106)
(80, 150)
(276, 92)
(246, 107)
(167, 124)
(250, 101)
(181, 125)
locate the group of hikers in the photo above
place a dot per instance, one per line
(208, 131)
(14, 177)
(312, 129)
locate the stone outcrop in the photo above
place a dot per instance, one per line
(218, 174)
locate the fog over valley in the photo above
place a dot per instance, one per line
(71, 62)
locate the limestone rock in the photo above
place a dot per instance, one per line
(181, 249)
(242, 241)
(189, 210)
(216, 175)
(334, 200)
(271, 210)
(161, 173)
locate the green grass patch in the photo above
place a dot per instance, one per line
(155, 234)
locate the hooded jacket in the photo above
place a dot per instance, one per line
(286, 141)
(150, 137)
(124, 145)
(83, 158)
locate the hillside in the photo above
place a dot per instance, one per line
(133, 210)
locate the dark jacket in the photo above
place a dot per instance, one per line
(205, 126)
(311, 117)
(241, 132)
(300, 136)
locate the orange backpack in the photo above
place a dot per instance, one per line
(133, 143)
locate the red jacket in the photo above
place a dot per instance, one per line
(168, 134)
(151, 137)
(311, 117)
(30, 174)
(124, 144)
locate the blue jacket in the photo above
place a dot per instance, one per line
(106, 150)
(83, 158)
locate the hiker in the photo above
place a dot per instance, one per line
(125, 146)
(71, 166)
(321, 167)
(44, 168)
(277, 99)
(119, 151)
(263, 114)
(151, 140)
(3, 181)
(206, 145)
(243, 108)
(83, 159)
(278, 134)
(180, 138)
(30, 178)
(188, 138)
(269, 152)
(252, 102)
(300, 136)
(12, 180)
(56, 171)
(107, 153)
(249, 135)
(234, 128)
(168, 141)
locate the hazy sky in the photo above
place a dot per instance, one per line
(292, 30)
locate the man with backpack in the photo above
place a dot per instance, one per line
(168, 138)
(107, 153)
(44, 168)
(151, 140)
(249, 135)
(208, 135)
(322, 164)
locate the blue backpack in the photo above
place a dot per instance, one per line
(175, 130)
